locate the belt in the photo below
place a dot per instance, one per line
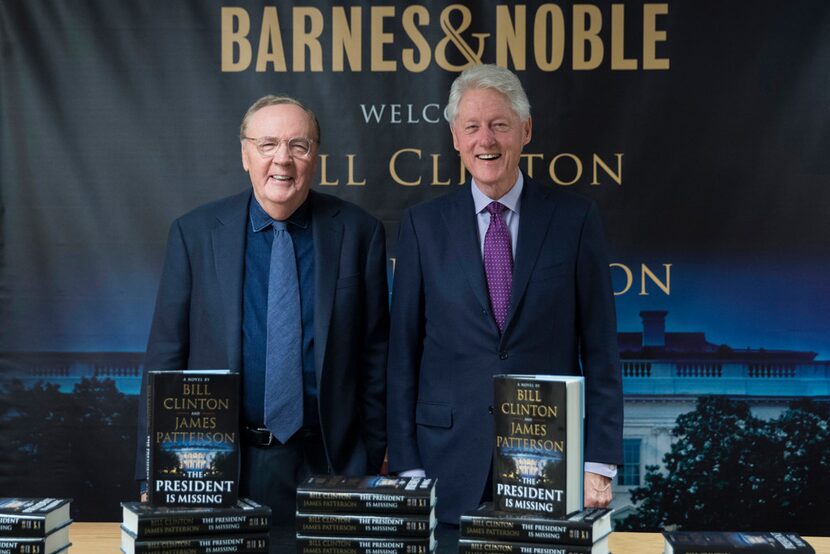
(262, 437)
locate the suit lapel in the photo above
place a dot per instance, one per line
(534, 219)
(328, 235)
(228, 239)
(459, 217)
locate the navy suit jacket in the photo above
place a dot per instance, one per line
(445, 347)
(198, 317)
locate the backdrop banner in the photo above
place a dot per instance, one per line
(702, 130)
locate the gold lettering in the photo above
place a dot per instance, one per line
(393, 171)
(350, 161)
(307, 39)
(616, 177)
(557, 37)
(651, 36)
(584, 33)
(414, 17)
(231, 38)
(555, 177)
(379, 38)
(345, 38)
(618, 59)
(510, 36)
(646, 272)
(435, 181)
(529, 158)
(270, 42)
(324, 180)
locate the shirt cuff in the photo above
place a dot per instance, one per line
(607, 470)
(412, 473)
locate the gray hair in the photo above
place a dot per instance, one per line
(493, 77)
(271, 100)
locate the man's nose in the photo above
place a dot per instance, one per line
(282, 155)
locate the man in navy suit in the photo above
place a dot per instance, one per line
(503, 276)
(213, 311)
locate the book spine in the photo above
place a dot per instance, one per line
(361, 502)
(466, 546)
(363, 526)
(16, 546)
(350, 545)
(201, 525)
(22, 527)
(254, 544)
(516, 529)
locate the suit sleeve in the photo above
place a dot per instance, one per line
(168, 345)
(406, 337)
(596, 319)
(376, 337)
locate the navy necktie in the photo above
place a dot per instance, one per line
(283, 356)
(498, 264)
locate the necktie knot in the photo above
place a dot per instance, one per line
(278, 226)
(495, 208)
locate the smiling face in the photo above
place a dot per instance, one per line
(489, 136)
(281, 182)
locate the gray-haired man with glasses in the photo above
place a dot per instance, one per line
(287, 286)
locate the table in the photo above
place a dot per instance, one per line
(104, 538)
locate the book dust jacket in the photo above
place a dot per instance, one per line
(537, 465)
(193, 439)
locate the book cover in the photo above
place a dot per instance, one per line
(371, 494)
(364, 545)
(476, 546)
(582, 528)
(32, 517)
(57, 540)
(714, 542)
(366, 525)
(256, 543)
(144, 520)
(193, 437)
(537, 461)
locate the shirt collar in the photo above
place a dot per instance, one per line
(261, 220)
(509, 200)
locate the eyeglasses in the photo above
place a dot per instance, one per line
(298, 147)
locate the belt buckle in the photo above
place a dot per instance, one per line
(270, 438)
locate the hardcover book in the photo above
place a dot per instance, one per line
(475, 546)
(364, 545)
(256, 543)
(582, 528)
(537, 463)
(32, 517)
(145, 521)
(366, 525)
(193, 437)
(712, 542)
(57, 540)
(372, 494)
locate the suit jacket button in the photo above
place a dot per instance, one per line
(490, 409)
(503, 355)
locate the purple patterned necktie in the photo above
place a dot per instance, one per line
(498, 264)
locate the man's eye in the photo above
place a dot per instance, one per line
(268, 145)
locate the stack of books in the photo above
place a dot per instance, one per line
(488, 530)
(366, 515)
(240, 529)
(34, 525)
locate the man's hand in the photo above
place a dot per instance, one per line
(597, 490)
